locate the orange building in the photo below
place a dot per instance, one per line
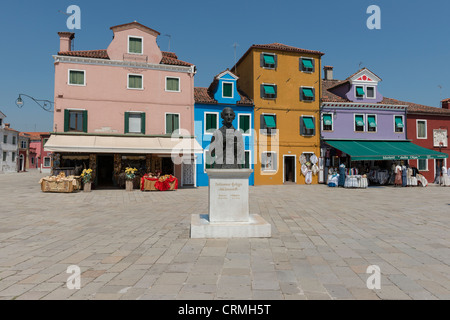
(285, 84)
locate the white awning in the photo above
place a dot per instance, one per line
(121, 144)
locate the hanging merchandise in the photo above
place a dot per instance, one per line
(304, 169)
(315, 169)
(302, 159)
(314, 159)
(308, 177)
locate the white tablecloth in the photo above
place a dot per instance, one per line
(355, 181)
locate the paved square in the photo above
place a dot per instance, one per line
(135, 245)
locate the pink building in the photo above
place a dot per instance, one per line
(122, 106)
(38, 157)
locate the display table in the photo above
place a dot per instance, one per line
(60, 184)
(166, 183)
(356, 181)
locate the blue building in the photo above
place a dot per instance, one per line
(209, 103)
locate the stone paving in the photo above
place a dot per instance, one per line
(135, 245)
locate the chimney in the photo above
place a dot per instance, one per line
(445, 103)
(328, 72)
(65, 41)
(7, 125)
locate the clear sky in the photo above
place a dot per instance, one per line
(410, 52)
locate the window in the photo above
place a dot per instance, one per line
(1, 121)
(244, 123)
(268, 60)
(32, 160)
(359, 91)
(172, 122)
(135, 81)
(135, 45)
(75, 120)
(269, 161)
(371, 123)
(45, 141)
(268, 91)
(77, 77)
(398, 124)
(422, 164)
(5, 138)
(359, 122)
(47, 162)
(370, 92)
(211, 122)
(23, 144)
(307, 94)
(327, 122)
(307, 126)
(14, 140)
(227, 90)
(135, 122)
(247, 163)
(13, 156)
(268, 123)
(421, 129)
(172, 84)
(307, 64)
(5, 154)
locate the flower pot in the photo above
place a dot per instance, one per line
(129, 185)
(87, 187)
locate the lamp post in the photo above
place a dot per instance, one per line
(47, 105)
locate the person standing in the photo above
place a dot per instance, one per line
(398, 175)
(404, 176)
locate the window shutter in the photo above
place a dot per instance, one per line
(85, 121)
(143, 122)
(314, 95)
(276, 92)
(127, 122)
(275, 57)
(302, 126)
(169, 126)
(263, 95)
(176, 119)
(263, 122)
(66, 120)
(261, 60)
(314, 121)
(300, 65)
(301, 92)
(314, 66)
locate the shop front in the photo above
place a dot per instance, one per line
(109, 156)
(366, 163)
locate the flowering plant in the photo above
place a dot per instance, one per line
(86, 175)
(130, 173)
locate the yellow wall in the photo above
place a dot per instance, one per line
(287, 107)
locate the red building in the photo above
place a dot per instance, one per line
(428, 128)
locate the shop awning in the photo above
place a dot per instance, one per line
(269, 59)
(121, 144)
(384, 150)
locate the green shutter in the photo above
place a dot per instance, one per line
(211, 122)
(143, 123)
(399, 122)
(135, 82)
(176, 124)
(247, 160)
(270, 121)
(269, 59)
(244, 123)
(76, 77)
(172, 84)
(127, 122)
(359, 120)
(359, 91)
(135, 45)
(169, 123)
(269, 89)
(308, 92)
(85, 121)
(372, 121)
(327, 119)
(307, 64)
(227, 90)
(309, 123)
(66, 120)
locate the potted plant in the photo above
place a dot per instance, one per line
(130, 174)
(86, 175)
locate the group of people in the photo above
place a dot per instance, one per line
(443, 177)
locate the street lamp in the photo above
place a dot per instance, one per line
(47, 105)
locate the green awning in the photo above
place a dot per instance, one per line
(384, 150)
(308, 92)
(309, 123)
(359, 91)
(307, 63)
(399, 122)
(270, 121)
(327, 119)
(269, 59)
(371, 121)
(269, 89)
(359, 120)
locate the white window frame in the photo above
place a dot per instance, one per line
(232, 89)
(22, 143)
(165, 121)
(270, 84)
(179, 84)
(314, 121)
(367, 123)
(332, 121)
(295, 167)
(276, 156)
(250, 122)
(417, 129)
(354, 121)
(374, 92)
(128, 45)
(43, 163)
(74, 84)
(426, 162)
(204, 159)
(269, 54)
(204, 122)
(128, 81)
(307, 58)
(314, 93)
(403, 121)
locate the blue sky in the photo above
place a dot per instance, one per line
(410, 52)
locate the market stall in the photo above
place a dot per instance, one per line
(159, 183)
(60, 183)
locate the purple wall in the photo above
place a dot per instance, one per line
(352, 96)
(343, 124)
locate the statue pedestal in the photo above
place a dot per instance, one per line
(228, 204)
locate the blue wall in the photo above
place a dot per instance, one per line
(204, 139)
